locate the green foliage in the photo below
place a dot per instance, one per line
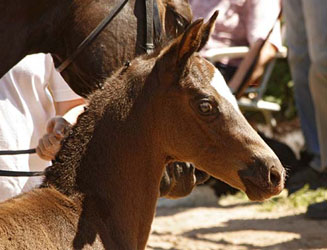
(280, 90)
(300, 199)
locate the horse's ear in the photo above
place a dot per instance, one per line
(207, 29)
(177, 54)
(193, 39)
(174, 57)
(189, 42)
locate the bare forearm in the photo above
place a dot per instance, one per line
(266, 54)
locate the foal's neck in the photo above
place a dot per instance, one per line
(111, 158)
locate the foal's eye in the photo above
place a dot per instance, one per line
(205, 107)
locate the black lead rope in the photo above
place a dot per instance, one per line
(8, 173)
(18, 152)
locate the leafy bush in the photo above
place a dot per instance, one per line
(300, 199)
(280, 90)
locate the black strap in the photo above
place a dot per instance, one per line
(92, 35)
(17, 152)
(9, 173)
(153, 24)
(156, 20)
(149, 44)
(152, 19)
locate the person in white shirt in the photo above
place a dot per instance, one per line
(32, 93)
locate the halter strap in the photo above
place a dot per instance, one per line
(90, 38)
(153, 24)
(156, 20)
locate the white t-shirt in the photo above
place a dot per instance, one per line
(27, 95)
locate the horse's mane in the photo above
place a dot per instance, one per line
(113, 101)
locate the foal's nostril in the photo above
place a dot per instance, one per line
(275, 177)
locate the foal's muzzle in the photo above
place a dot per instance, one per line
(263, 178)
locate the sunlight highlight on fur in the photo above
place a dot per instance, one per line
(219, 83)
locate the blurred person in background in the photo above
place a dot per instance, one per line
(241, 23)
(306, 34)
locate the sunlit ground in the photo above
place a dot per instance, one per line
(235, 223)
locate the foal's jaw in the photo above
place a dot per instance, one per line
(260, 176)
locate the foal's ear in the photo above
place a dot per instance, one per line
(177, 54)
(207, 29)
(192, 40)
(189, 42)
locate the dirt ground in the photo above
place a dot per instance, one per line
(234, 226)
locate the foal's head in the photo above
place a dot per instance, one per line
(199, 123)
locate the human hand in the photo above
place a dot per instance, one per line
(49, 144)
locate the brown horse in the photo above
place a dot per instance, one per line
(102, 190)
(59, 26)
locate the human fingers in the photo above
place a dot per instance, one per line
(43, 151)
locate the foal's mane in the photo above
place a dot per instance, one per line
(113, 102)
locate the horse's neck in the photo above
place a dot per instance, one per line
(119, 180)
(111, 159)
(29, 27)
(128, 189)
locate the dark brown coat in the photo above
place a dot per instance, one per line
(102, 190)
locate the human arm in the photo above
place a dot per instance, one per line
(67, 105)
(262, 22)
(267, 53)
